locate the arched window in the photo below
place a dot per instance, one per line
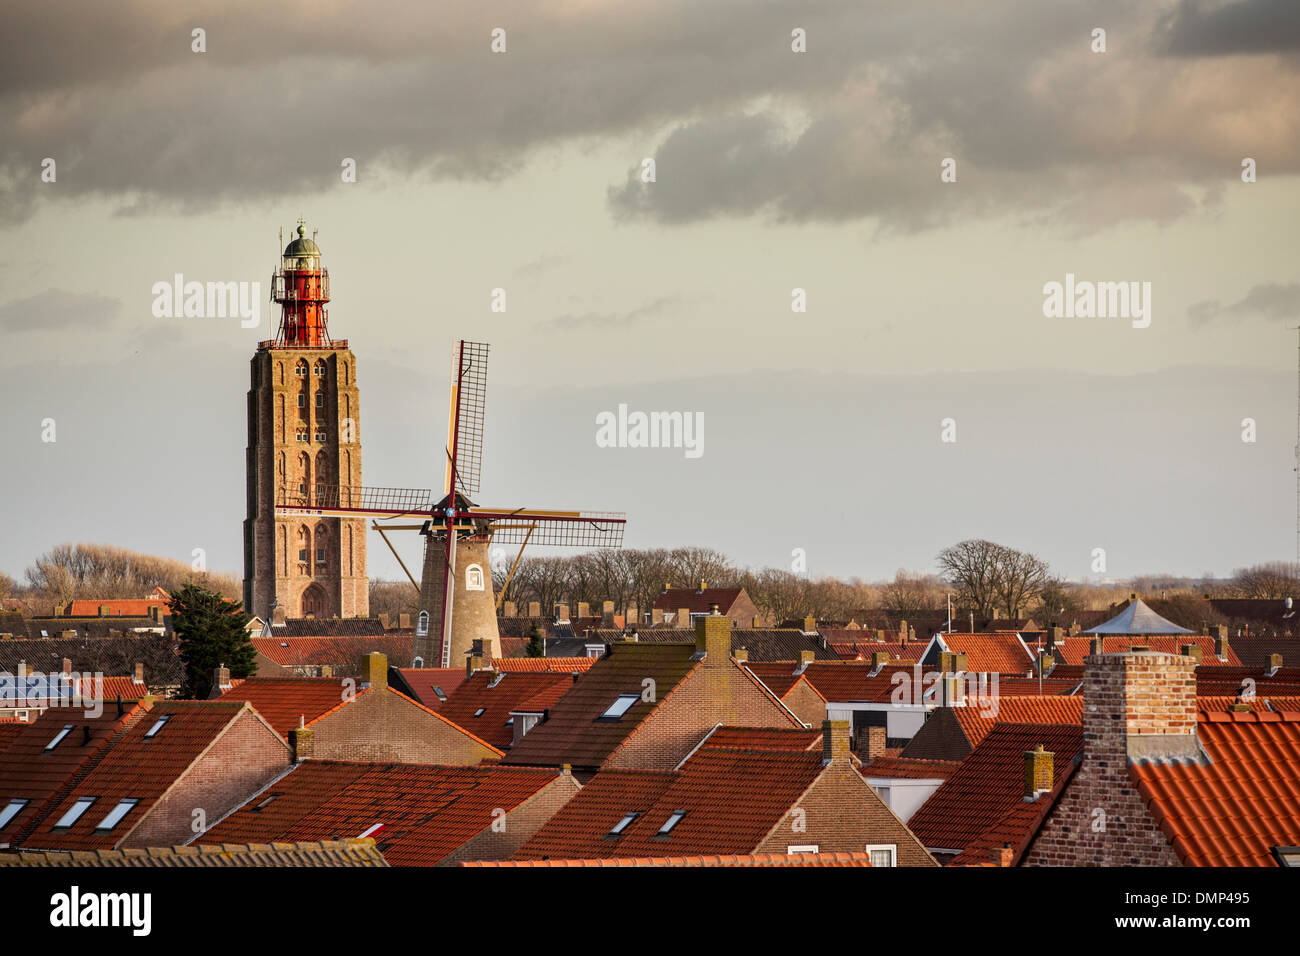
(422, 625)
(304, 546)
(319, 370)
(279, 373)
(300, 369)
(473, 578)
(320, 554)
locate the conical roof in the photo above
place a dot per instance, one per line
(1137, 618)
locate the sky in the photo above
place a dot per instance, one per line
(775, 171)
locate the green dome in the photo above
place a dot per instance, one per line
(302, 246)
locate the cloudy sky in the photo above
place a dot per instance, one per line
(775, 170)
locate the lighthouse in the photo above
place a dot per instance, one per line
(304, 445)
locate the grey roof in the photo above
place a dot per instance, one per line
(313, 853)
(1137, 618)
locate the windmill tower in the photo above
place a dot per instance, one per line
(457, 606)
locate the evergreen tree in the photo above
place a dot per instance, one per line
(210, 631)
(535, 641)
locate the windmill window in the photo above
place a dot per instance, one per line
(11, 811)
(474, 578)
(621, 706)
(422, 625)
(74, 813)
(58, 738)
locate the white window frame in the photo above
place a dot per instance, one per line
(474, 578)
(803, 848)
(891, 847)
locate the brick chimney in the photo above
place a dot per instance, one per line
(683, 618)
(713, 639)
(877, 737)
(534, 609)
(67, 667)
(511, 609)
(835, 740)
(1096, 645)
(584, 609)
(1274, 664)
(740, 654)
(656, 616)
(474, 660)
(1038, 772)
(607, 614)
(633, 613)
(1055, 636)
(806, 658)
(1221, 642)
(404, 620)
(561, 614)
(1138, 706)
(810, 625)
(1193, 651)
(139, 672)
(302, 741)
(879, 659)
(902, 629)
(375, 670)
(277, 614)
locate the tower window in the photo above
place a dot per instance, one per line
(302, 400)
(320, 399)
(302, 555)
(320, 437)
(320, 555)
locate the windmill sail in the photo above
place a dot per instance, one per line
(465, 428)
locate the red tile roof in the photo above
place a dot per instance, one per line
(497, 695)
(747, 859)
(845, 681)
(990, 782)
(89, 607)
(426, 812)
(425, 682)
(910, 768)
(732, 799)
(283, 700)
(137, 767)
(764, 738)
(1005, 843)
(575, 735)
(559, 665)
(1234, 810)
(305, 651)
(29, 771)
(779, 677)
(997, 653)
(696, 601)
(1076, 647)
(976, 722)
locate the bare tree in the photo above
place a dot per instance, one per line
(992, 576)
(1273, 580)
(910, 592)
(692, 565)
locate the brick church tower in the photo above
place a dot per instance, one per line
(304, 451)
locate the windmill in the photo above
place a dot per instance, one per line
(456, 592)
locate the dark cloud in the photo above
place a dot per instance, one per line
(55, 309)
(1269, 300)
(1197, 28)
(738, 123)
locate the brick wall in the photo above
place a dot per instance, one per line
(939, 738)
(247, 756)
(521, 823)
(806, 703)
(842, 813)
(382, 725)
(1136, 706)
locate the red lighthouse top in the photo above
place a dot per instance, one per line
(302, 288)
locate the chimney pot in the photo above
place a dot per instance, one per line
(67, 666)
(139, 672)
